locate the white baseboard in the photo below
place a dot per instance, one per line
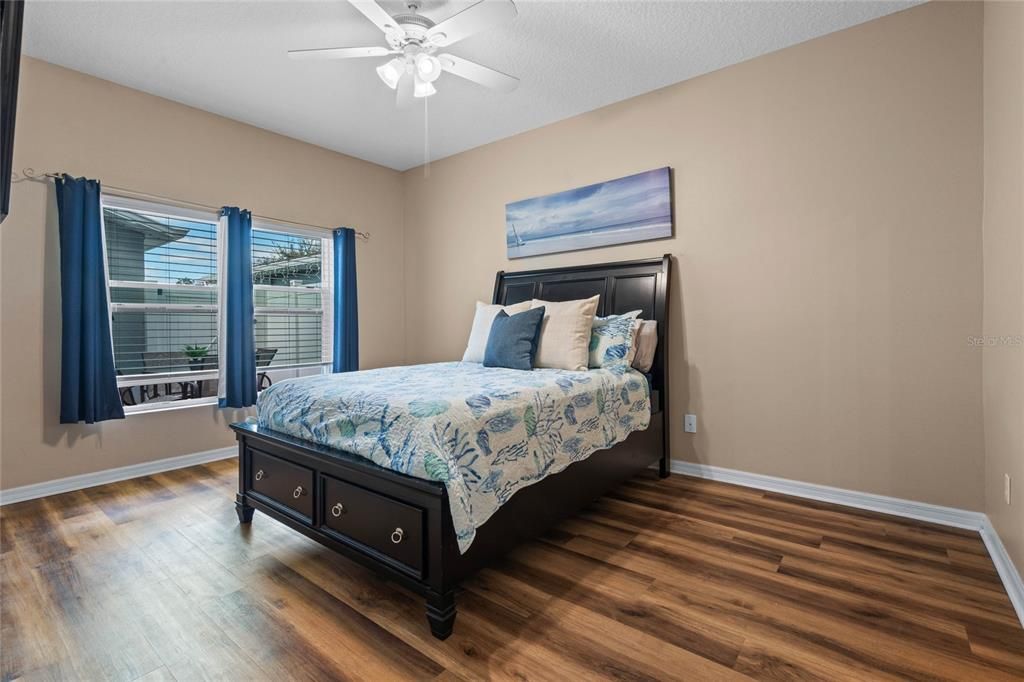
(1004, 565)
(920, 511)
(65, 485)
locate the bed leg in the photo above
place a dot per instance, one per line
(441, 614)
(243, 510)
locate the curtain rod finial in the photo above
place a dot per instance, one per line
(33, 174)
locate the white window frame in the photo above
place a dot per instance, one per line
(326, 289)
(165, 210)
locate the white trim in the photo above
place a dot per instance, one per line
(169, 405)
(65, 485)
(104, 256)
(222, 301)
(127, 380)
(129, 284)
(291, 230)
(1004, 566)
(288, 289)
(327, 300)
(287, 312)
(920, 511)
(165, 208)
(179, 308)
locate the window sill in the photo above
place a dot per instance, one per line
(168, 406)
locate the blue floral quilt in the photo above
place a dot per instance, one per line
(484, 432)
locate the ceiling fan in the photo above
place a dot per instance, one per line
(417, 39)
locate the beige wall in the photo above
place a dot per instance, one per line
(1003, 233)
(828, 251)
(72, 122)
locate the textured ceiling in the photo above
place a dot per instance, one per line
(229, 58)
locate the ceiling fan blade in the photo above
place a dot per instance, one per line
(475, 18)
(375, 13)
(406, 85)
(340, 53)
(478, 73)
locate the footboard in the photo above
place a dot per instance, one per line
(395, 524)
(401, 526)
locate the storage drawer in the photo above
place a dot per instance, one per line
(385, 525)
(286, 484)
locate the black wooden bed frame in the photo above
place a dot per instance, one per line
(401, 526)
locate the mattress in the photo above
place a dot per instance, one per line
(483, 432)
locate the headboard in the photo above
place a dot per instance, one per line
(625, 286)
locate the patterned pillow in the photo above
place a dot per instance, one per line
(613, 340)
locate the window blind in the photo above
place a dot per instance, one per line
(291, 294)
(163, 291)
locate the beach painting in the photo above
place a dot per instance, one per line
(635, 208)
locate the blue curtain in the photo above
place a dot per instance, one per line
(346, 307)
(88, 381)
(237, 351)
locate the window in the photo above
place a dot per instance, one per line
(162, 265)
(292, 295)
(164, 298)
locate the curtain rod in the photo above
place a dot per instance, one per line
(31, 174)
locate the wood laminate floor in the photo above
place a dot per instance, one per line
(154, 579)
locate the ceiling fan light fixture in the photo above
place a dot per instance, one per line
(416, 38)
(391, 72)
(428, 67)
(423, 88)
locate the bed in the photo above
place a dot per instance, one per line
(356, 464)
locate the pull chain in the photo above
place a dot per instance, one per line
(426, 139)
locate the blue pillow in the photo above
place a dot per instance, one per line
(512, 342)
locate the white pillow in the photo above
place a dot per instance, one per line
(646, 344)
(485, 314)
(565, 333)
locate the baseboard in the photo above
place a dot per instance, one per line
(920, 511)
(65, 485)
(1004, 565)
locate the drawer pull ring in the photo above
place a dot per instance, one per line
(337, 510)
(397, 535)
(259, 475)
(297, 493)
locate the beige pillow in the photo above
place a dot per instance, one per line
(485, 314)
(565, 333)
(646, 344)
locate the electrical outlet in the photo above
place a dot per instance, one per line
(1006, 487)
(690, 423)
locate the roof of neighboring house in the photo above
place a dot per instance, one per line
(155, 233)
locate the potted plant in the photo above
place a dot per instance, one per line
(196, 356)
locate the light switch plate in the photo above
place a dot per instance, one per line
(690, 423)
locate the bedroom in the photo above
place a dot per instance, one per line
(840, 328)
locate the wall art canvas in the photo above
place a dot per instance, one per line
(635, 208)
